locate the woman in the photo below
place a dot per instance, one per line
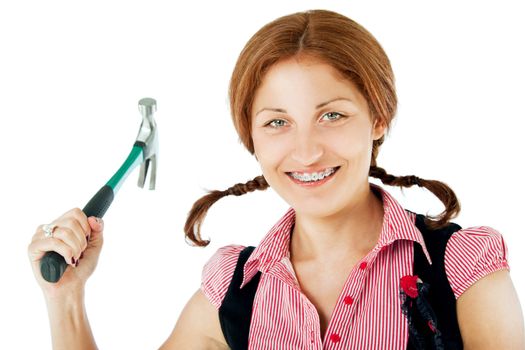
(312, 96)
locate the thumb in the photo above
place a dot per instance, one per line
(97, 225)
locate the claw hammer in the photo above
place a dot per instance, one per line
(144, 151)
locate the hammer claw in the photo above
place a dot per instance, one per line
(143, 173)
(153, 173)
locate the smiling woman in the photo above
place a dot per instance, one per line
(312, 97)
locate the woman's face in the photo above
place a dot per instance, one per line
(313, 136)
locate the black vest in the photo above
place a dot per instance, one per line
(236, 310)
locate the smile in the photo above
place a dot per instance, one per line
(315, 177)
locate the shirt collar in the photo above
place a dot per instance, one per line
(398, 224)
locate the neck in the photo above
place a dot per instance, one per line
(352, 231)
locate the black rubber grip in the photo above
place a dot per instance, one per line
(53, 265)
(100, 202)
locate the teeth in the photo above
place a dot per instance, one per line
(307, 177)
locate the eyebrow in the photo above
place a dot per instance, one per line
(320, 105)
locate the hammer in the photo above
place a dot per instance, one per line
(144, 152)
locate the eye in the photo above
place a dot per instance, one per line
(276, 123)
(333, 116)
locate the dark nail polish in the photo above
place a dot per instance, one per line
(76, 264)
(73, 260)
(81, 255)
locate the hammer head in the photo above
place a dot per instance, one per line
(148, 135)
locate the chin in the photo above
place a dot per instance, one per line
(316, 209)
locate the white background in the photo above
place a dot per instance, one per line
(71, 75)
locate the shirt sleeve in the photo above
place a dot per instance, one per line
(218, 272)
(473, 253)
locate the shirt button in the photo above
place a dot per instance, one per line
(363, 265)
(348, 300)
(335, 338)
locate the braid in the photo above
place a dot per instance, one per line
(438, 188)
(200, 207)
(402, 181)
(258, 183)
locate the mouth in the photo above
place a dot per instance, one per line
(314, 178)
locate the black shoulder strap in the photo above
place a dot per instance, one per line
(440, 295)
(235, 312)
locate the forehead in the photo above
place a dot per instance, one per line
(300, 80)
(306, 62)
(301, 68)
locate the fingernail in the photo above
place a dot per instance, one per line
(76, 264)
(98, 220)
(72, 260)
(81, 255)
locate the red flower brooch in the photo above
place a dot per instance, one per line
(409, 285)
(422, 321)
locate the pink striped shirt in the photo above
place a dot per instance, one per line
(368, 312)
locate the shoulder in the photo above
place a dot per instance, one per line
(488, 309)
(473, 253)
(218, 271)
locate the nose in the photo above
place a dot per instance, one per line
(307, 148)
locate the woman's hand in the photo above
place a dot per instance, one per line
(79, 240)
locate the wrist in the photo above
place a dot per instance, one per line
(66, 307)
(68, 320)
(61, 297)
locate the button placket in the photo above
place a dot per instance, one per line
(312, 321)
(347, 301)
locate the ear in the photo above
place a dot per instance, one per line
(378, 129)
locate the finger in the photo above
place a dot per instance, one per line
(81, 218)
(40, 233)
(39, 248)
(68, 237)
(77, 214)
(96, 238)
(97, 224)
(77, 229)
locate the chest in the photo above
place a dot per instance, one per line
(322, 285)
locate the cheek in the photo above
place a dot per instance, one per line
(269, 150)
(352, 145)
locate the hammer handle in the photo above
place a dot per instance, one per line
(53, 265)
